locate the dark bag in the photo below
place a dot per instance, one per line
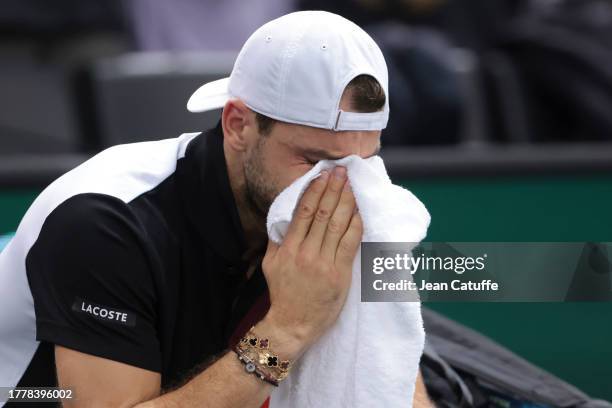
(462, 368)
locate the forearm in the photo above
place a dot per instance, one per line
(226, 384)
(421, 399)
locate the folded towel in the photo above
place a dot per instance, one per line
(370, 356)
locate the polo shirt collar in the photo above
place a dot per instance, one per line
(208, 198)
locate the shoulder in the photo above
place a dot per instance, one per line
(88, 230)
(123, 172)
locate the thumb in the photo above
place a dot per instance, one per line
(272, 248)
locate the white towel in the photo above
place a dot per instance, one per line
(370, 356)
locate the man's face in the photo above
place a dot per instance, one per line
(289, 151)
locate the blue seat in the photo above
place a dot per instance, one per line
(4, 239)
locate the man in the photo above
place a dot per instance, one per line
(142, 261)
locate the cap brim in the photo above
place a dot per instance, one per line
(209, 96)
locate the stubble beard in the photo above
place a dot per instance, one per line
(260, 188)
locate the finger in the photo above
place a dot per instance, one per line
(305, 210)
(347, 248)
(338, 223)
(326, 209)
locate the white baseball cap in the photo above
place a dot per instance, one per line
(295, 69)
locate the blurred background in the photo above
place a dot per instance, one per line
(501, 121)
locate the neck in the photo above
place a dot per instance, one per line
(253, 225)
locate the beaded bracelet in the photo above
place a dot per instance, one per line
(255, 353)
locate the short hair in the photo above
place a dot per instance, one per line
(367, 95)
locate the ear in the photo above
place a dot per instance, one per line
(237, 121)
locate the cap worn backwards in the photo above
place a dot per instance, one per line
(295, 69)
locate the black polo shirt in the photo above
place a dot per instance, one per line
(135, 256)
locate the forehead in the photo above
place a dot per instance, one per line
(338, 144)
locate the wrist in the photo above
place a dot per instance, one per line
(289, 344)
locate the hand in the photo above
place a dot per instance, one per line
(309, 274)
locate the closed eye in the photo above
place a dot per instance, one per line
(309, 155)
